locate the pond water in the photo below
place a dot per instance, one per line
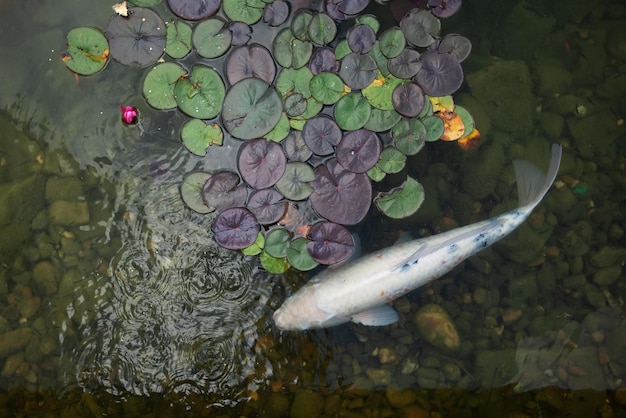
(116, 301)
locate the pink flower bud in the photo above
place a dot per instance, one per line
(130, 115)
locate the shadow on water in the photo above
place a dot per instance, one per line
(115, 300)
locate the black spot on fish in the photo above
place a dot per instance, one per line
(452, 249)
(405, 267)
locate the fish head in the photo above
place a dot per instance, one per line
(301, 311)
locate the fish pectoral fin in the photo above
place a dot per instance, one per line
(377, 316)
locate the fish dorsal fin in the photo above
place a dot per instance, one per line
(532, 184)
(377, 316)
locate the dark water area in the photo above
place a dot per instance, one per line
(116, 301)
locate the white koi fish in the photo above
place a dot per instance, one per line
(360, 291)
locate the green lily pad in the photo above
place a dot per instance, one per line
(342, 49)
(198, 136)
(327, 88)
(294, 184)
(158, 86)
(392, 42)
(322, 29)
(298, 255)
(381, 60)
(380, 91)
(403, 201)
(409, 136)
(280, 131)
(382, 120)
(277, 242)
(391, 161)
(191, 191)
(300, 24)
(212, 38)
(246, 11)
(200, 95)
(352, 112)
(295, 105)
(290, 81)
(256, 247)
(466, 117)
(358, 70)
(88, 50)
(252, 108)
(313, 109)
(434, 127)
(178, 39)
(272, 264)
(375, 173)
(289, 51)
(369, 20)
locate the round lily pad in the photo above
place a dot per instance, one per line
(466, 117)
(290, 81)
(247, 11)
(267, 205)
(408, 99)
(294, 184)
(352, 111)
(272, 264)
(406, 64)
(280, 131)
(158, 86)
(241, 32)
(277, 242)
(295, 105)
(403, 201)
(322, 29)
(391, 161)
(369, 20)
(420, 27)
(409, 135)
(211, 38)
(327, 88)
(201, 94)
(382, 120)
(251, 109)
(236, 228)
(222, 191)
(198, 136)
(392, 42)
(300, 24)
(444, 8)
(352, 7)
(138, 39)
(361, 39)
(357, 70)
(359, 150)
(88, 50)
(456, 45)
(379, 92)
(298, 255)
(290, 51)
(194, 9)
(434, 127)
(261, 163)
(440, 74)
(340, 195)
(330, 243)
(321, 134)
(295, 148)
(323, 60)
(178, 39)
(250, 61)
(191, 191)
(276, 13)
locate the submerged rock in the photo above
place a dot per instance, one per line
(435, 326)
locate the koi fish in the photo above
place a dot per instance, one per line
(361, 290)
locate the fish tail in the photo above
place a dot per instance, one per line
(532, 184)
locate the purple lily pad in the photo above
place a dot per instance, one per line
(330, 243)
(261, 163)
(242, 33)
(420, 27)
(194, 9)
(358, 71)
(138, 39)
(440, 75)
(331, 7)
(276, 13)
(340, 195)
(323, 60)
(408, 99)
(456, 45)
(352, 7)
(359, 150)
(405, 65)
(295, 148)
(236, 228)
(361, 39)
(250, 61)
(267, 205)
(444, 8)
(321, 134)
(222, 191)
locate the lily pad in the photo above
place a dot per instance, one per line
(408, 99)
(298, 255)
(236, 228)
(340, 195)
(194, 9)
(250, 61)
(382, 120)
(352, 7)
(466, 117)
(403, 201)
(440, 74)
(198, 136)
(222, 191)
(201, 94)
(138, 39)
(247, 11)
(322, 29)
(290, 51)
(276, 13)
(405, 65)
(257, 245)
(369, 20)
(267, 205)
(241, 32)
(158, 86)
(434, 127)
(321, 134)
(191, 191)
(280, 131)
(261, 163)
(330, 243)
(178, 39)
(300, 24)
(456, 45)
(327, 88)
(277, 242)
(358, 71)
(88, 50)
(212, 38)
(251, 109)
(380, 91)
(391, 161)
(444, 8)
(409, 136)
(420, 27)
(294, 184)
(272, 264)
(359, 150)
(323, 60)
(361, 39)
(392, 42)
(290, 81)
(295, 148)
(352, 111)
(295, 105)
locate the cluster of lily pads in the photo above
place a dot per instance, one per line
(319, 118)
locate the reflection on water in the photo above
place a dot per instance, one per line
(114, 299)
